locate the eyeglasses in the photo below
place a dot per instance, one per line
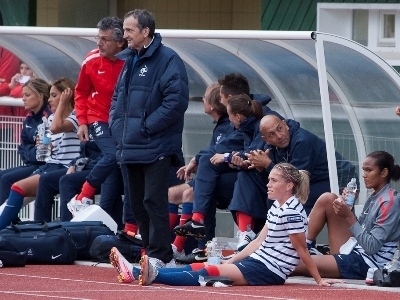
(102, 39)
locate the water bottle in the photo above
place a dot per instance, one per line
(214, 252)
(43, 150)
(351, 192)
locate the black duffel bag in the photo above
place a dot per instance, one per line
(10, 256)
(83, 233)
(388, 277)
(130, 248)
(43, 243)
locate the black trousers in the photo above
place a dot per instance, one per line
(148, 190)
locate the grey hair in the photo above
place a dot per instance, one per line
(115, 24)
(144, 18)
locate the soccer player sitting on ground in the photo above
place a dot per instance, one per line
(376, 231)
(268, 260)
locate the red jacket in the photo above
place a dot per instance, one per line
(95, 87)
(15, 111)
(9, 64)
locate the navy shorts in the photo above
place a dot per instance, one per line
(351, 266)
(49, 168)
(256, 273)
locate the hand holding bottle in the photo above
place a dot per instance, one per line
(351, 192)
(43, 141)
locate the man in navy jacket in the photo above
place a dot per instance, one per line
(285, 141)
(147, 115)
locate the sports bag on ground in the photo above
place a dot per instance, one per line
(44, 243)
(83, 233)
(10, 256)
(387, 277)
(101, 248)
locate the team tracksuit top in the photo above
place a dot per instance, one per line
(95, 87)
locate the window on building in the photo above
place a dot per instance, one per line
(387, 29)
(360, 26)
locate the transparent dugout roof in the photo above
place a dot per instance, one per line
(321, 80)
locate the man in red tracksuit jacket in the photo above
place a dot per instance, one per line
(93, 92)
(9, 66)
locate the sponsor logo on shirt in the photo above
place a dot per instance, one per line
(294, 219)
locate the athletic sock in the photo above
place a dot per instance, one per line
(186, 214)
(173, 270)
(130, 227)
(198, 217)
(88, 191)
(180, 277)
(173, 215)
(212, 270)
(13, 206)
(197, 266)
(310, 244)
(244, 221)
(179, 242)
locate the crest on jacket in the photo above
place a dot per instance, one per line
(143, 71)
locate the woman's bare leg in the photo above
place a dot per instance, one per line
(323, 213)
(29, 185)
(326, 265)
(233, 272)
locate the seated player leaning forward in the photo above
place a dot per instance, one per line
(268, 260)
(285, 141)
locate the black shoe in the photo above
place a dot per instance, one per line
(191, 228)
(122, 235)
(197, 255)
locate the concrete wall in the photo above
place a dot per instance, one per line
(171, 14)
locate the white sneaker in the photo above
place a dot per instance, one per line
(149, 269)
(74, 206)
(177, 255)
(370, 276)
(244, 238)
(171, 264)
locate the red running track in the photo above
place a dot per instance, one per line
(89, 282)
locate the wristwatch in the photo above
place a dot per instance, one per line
(226, 157)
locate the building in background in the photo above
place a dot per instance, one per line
(170, 14)
(374, 24)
